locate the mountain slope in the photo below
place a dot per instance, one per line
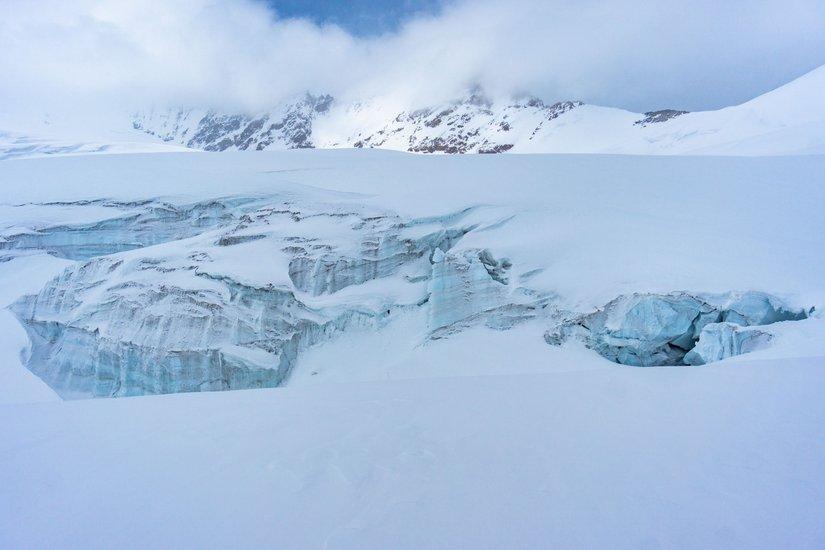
(788, 120)
(287, 127)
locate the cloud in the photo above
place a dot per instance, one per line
(239, 54)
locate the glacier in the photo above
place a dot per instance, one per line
(133, 224)
(163, 300)
(666, 329)
(399, 303)
(719, 341)
(181, 317)
(198, 290)
(169, 299)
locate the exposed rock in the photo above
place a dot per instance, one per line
(288, 127)
(473, 124)
(655, 117)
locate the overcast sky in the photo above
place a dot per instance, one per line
(249, 54)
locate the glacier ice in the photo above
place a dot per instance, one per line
(171, 331)
(227, 293)
(463, 284)
(382, 253)
(661, 329)
(719, 341)
(753, 308)
(132, 225)
(196, 314)
(471, 287)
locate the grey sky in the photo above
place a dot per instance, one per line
(626, 53)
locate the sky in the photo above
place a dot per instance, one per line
(250, 54)
(359, 17)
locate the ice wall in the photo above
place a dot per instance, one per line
(229, 309)
(463, 284)
(661, 329)
(381, 254)
(132, 225)
(226, 294)
(719, 341)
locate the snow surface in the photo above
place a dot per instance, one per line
(25, 135)
(722, 457)
(596, 226)
(482, 438)
(23, 275)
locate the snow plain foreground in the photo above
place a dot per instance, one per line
(494, 439)
(718, 457)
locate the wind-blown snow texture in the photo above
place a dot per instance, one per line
(147, 273)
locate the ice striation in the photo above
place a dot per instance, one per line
(165, 328)
(316, 269)
(132, 225)
(227, 293)
(663, 329)
(190, 315)
(719, 341)
(464, 284)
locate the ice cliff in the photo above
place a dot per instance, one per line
(677, 328)
(132, 225)
(230, 307)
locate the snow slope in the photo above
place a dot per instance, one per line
(26, 135)
(31, 146)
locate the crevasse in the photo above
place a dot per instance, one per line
(663, 329)
(186, 316)
(226, 294)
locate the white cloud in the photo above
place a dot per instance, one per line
(634, 54)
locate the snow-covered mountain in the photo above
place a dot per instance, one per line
(788, 120)
(289, 126)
